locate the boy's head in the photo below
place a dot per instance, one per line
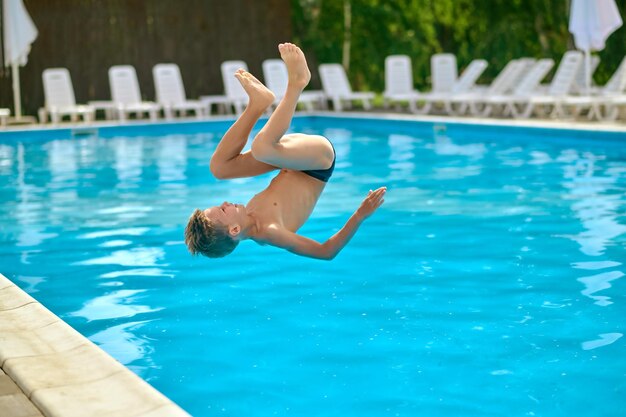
(208, 237)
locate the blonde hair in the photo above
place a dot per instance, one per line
(207, 238)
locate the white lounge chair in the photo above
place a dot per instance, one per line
(561, 85)
(610, 97)
(337, 87)
(60, 100)
(524, 88)
(276, 78)
(444, 72)
(463, 85)
(126, 95)
(447, 86)
(234, 95)
(4, 117)
(399, 86)
(504, 82)
(170, 92)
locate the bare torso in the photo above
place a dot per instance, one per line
(287, 202)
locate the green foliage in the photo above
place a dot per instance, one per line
(496, 30)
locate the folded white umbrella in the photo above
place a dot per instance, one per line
(592, 22)
(19, 34)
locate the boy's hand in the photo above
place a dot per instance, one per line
(373, 200)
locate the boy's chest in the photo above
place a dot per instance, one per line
(288, 200)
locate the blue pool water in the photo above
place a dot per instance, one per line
(490, 283)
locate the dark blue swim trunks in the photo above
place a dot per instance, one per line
(323, 174)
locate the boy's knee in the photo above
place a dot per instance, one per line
(260, 151)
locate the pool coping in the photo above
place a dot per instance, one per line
(61, 372)
(110, 128)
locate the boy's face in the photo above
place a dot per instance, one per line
(226, 214)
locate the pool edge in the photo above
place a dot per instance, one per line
(109, 128)
(61, 372)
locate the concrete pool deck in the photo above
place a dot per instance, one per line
(49, 369)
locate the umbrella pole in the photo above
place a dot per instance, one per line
(588, 71)
(17, 98)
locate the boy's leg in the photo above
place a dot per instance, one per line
(236, 137)
(298, 152)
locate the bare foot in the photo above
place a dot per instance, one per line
(260, 96)
(299, 74)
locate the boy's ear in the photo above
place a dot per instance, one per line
(234, 231)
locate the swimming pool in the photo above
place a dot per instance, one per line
(489, 283)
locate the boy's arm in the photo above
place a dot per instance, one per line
(238, 166)
(304, 246)
(228, 161)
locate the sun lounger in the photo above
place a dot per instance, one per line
(399, 84)
(337, 87)
(559, 88)
(524, 88)
(464, 84)
(4, 117)
(126, 95)
(60, 100)
(474, 100)
(444, 72)
(276, 79)
(446, 84)
(608, 98)
(170, 92)
(234, 97)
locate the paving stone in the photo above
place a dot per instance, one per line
(85, 363)
(171, 410)
(12, 297)
(27, 317)
(7, 386)
(1, 371)
(121, 394)
(17, 405)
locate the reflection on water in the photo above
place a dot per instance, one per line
(115, 243)
(593, 202)
(172, 159)
(121, 342)
(114, 305)
(401, 156)
(599, 282)
(604, 340)
(31, 283)
(443, 145)
(147, 272)
(131, 257)
(128, 159)
(130, 231)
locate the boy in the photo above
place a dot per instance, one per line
(306, 162)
